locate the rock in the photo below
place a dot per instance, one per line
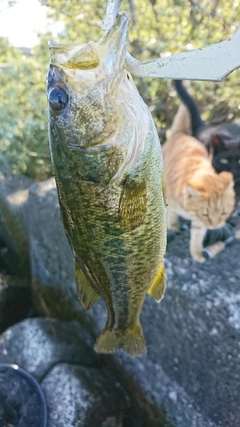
(15, 305)
(13, 224)
(53, 275)
(22, 402)
(158, 400)
(193, 334)
(190, 375)
(82, 397)
(38, 344)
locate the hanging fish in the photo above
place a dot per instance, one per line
(108, 167)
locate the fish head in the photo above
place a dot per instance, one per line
(81, 83)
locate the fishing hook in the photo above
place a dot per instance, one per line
(211, 63)
(112, 12)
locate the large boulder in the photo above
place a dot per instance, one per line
(194, 333)
(83, 397)
(190, 375)
(38, 344)
(15, 304)
(193, 339)
(13, 223)
(20, 402)
(77, 391)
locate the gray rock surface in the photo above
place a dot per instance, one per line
(190, 376)
(13, 223)
(159, 400)
(15, 305)
(80, 397)
(194, 334)
(36, 345)
(21, 405)
(193, 339)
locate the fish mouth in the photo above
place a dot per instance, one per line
(93, 61)
(115, 43)
(74, 56)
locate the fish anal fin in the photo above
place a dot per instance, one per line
(88, 296)
(157, 288)
(133, 204)
(130, 340)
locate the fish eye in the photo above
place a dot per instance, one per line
(58, 98)
(224, 161)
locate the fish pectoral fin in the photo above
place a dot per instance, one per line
(130, 340)
(133, 204)
(88, 296)
(157, 288)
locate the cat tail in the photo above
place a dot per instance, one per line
(196, 120)
(181, 122)
(130, 340)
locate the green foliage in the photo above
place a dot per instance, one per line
(23, 117)
(158, 27)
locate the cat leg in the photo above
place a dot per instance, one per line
(196, 241)
(172, 220)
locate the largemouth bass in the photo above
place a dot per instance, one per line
(108, 167)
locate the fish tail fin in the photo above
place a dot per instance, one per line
(130, 340)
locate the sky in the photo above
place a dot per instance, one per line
(20, 22)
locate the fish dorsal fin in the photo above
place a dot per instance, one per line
(88, 296)
(157, 288)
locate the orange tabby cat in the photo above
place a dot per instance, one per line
(194, 190)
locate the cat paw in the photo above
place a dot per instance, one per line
(198, 257)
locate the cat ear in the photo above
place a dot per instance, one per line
(217, 143)
(191, 191)
(227, 178)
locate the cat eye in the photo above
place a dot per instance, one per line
(238, 160)
(224, 161)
